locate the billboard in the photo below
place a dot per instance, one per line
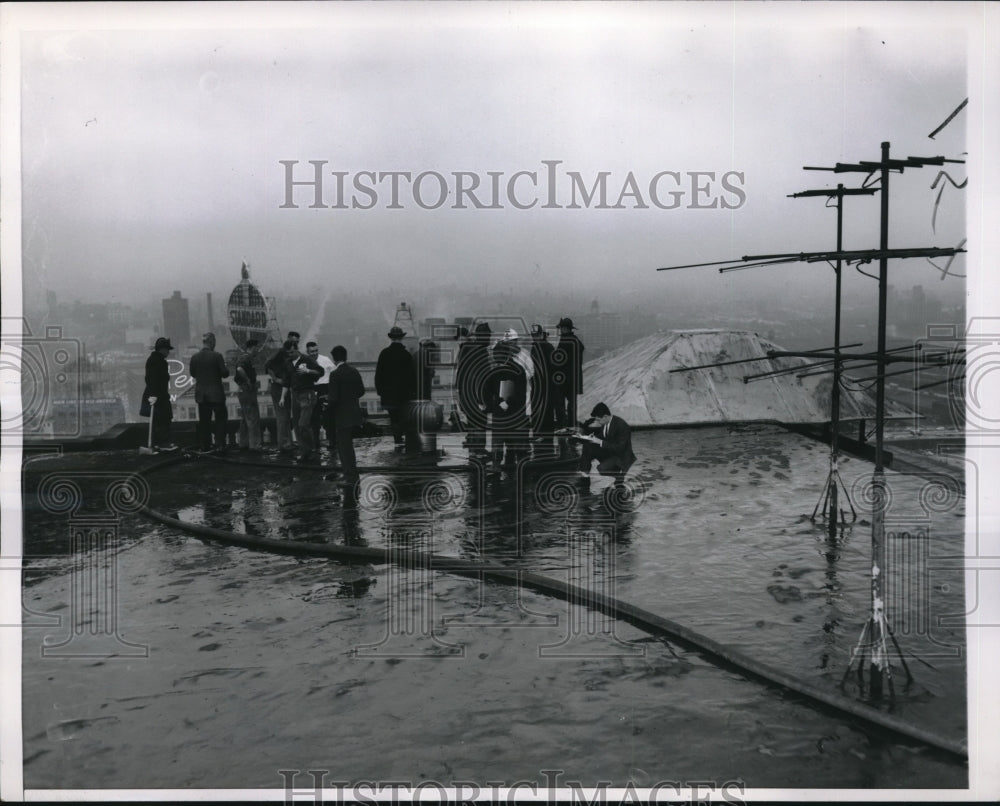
(248, 312)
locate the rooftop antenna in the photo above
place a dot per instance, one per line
(873, 641)
(834, 483)
(876, 633)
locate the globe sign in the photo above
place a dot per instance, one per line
(248, 315)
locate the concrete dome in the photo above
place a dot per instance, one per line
(636, 383)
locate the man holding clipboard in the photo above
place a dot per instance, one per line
(608, 439)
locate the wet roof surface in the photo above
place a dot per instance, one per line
(258, 662)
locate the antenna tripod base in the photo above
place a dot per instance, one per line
(871, 659)
(828, 507)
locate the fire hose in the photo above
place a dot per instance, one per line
(643, 619)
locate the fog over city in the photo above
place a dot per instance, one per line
(509, 238)
(391, 149)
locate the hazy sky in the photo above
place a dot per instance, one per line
(151, 146)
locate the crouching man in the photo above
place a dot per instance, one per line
(607, 439)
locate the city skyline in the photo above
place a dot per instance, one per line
(175, 158)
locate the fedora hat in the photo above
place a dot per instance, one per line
(566, 322)
(396, 332)
(163, 341)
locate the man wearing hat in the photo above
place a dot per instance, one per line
(395, 383)
(158, 387)
(471, 369)
(567, 373)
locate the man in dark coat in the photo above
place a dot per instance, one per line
(608, 440)
(158, 386)
(396, 383)
(346, 389)
(508, 383)
(472, 367)
(246, 382)
(279, 369)
(208, 368)
(542, 396)
(567, 374)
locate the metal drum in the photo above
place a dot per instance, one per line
(425, 418)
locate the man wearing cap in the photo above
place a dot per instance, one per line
(158, 387)
(567, 374)
(608, 439)
(542, 403)
(246, 383)
(208, 368)
(395, 383)
(472, 366)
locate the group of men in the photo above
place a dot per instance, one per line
(524, 397)
(517, 392)
(309, 392)
(528, 397)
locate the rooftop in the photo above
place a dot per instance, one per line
(234, 663)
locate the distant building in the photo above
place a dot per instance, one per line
(86, 418)
(177, 321)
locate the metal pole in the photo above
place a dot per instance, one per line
(879, 659)
(835, 396)
(883, 290)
